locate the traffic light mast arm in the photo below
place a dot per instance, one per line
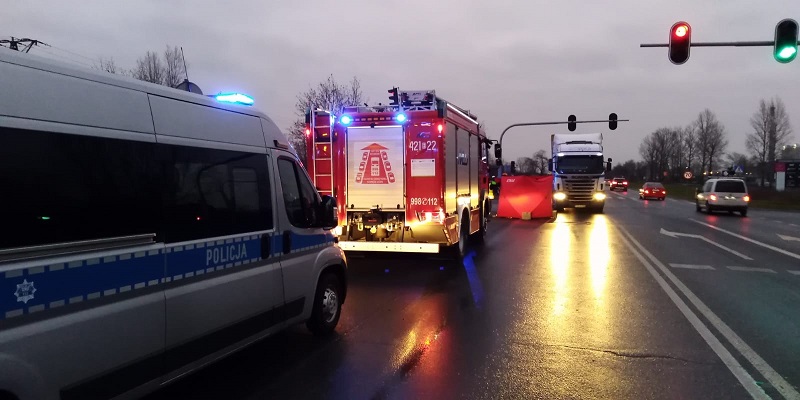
(552, 123)
(717, 44)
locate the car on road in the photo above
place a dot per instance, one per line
(618, 184)
(723, 194)
(653, 190)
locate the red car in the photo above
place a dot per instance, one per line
(618, 184)
(653, 190)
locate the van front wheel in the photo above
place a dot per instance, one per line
(327, 307)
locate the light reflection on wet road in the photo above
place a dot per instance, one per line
(557, 309)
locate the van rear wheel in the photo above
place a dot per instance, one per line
(327, 307)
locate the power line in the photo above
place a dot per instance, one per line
(63, 58)
(72, 52)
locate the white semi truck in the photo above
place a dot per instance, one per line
(578, 171)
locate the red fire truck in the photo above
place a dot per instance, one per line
(409, 177)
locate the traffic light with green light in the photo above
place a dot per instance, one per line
(785, 49)
(680, 40)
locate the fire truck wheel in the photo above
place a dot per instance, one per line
(463, 237)
(480, 236)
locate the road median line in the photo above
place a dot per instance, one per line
(741, 374)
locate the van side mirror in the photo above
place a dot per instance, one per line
(498, 151)
(328, 218)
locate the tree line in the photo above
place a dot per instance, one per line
(700, 147)
(166, 68)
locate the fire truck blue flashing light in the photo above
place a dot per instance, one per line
(346, 120)
(236, 98)
(400, 117)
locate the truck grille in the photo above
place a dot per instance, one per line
(579, 189)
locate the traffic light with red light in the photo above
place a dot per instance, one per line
(785, 48)
(394, 100)
(680, 40)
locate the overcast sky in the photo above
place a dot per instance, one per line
(506, 61)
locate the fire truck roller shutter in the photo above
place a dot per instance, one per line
(376, 160)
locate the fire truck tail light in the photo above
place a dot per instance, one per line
(308, 132)
(440, 128)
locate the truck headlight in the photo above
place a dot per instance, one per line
(559, 196)
(599, 196)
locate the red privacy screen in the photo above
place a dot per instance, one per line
(519, 194)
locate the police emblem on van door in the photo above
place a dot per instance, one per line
(25, 291)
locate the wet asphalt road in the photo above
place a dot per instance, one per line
(575, 307)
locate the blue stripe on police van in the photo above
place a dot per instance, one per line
(58, 284)
(72, 282)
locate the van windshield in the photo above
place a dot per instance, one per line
(730, 186)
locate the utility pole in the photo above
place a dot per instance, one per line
(15, 43)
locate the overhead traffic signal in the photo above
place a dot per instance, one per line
(785, 48)
(394, 100)
(571, 125)
(612, 121)
(680, 40)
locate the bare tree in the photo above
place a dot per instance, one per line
(649, 152)
(689, 145)
(108, 65)
(542, 162)
(763, 142)
(659, 151)
(149, 68)
(711, 141)
(526, 166)
(327, 95)
(174, 71)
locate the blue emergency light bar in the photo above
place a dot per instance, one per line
(235, 98)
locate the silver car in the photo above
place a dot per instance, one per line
(723, 194)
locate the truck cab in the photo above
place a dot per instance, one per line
(578, 171)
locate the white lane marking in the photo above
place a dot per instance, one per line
(788, 238)
(796, 272)
(691, 266)
(676, 234)
(727, 358)
(751, 269)
(779, 250)
(775, 379)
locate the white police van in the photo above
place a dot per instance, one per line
(146, 232)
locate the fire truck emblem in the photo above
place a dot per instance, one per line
(375, 168)
(25, 291)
